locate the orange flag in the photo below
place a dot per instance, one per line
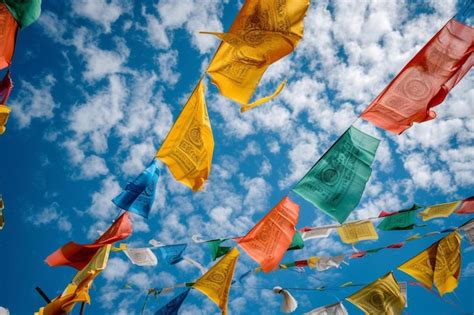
(8, 29)
(78, 256)
(269, 239)
(425, 81)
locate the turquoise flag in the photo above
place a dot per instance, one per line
(25, 12)
(336, 182)
(403, 220)
(173, 254)
(297, 242)
(172, 307)
(216, 249)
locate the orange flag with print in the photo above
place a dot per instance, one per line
(269, 239)
(8, 29)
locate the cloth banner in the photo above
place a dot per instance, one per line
(173, 254)
(8, 29)
(172, 307)
(354, 232)
(443, 210)
(25, 12)
(141, 256)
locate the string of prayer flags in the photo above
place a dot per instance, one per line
(467, 206)
(139, 194)
(336, 182)
(354, 232)
(78, 256)
(289, 304)
(25, 12)
(173, 254)
(215, 284)
(425, 81)
(333, 309)
(2, 219)
(269, 239)
(263, 32)
(308, 233)
(443, 210)
(188, 147)
(382, 296)
(469, 231)
(216, 249)
(141, 256)
(8, 30)
(297, 242)
(399, 221)
(172, 307)
(439, 264)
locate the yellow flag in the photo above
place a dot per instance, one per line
(216, 283)
(188, 148)
(263, 32)
(382, 296)
(4, 113)
(439, 211)
(421, 267)
(95, 266)
(354, 232)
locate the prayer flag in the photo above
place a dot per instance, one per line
(399, 221)
(333, 309)
(425, 81)
(217, 250)
(467, 206)
(297, 242)
(354, 232)
(439, 211)
(403, 291)
(172, 307)
(97, 264)
(4, 114)
(325, 263)
(25, 12)
(336, 182)
(78, 256)
(8, 29)
(215, 284)
(6, 86)
(469, 230)
(318, 232)
(139, 194)
(380, 297)
(289, 304)
(188, 148)
(270, 238)
(173, 254)
(141, 256)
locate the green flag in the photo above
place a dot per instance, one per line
(216, 249)
(25, 12)
(297, 242)
(336, 182)
(404, 220)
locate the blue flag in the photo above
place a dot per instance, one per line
(173, 254)
(139, 194)
(172, 307)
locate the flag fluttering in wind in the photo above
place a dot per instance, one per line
(440, 264)
(141, 256)
(316, 262)
(398, 221)
(215, 284)
(78, 256)
(139, 194)
(263, 32)
(289, 303)
(382, 296)
(173, 254)
(297, 242)
(336, 182)
(270, 238)
(25, 12)
(216, 249)
(317, 232)
(333, 309)
(6, 86)
(172, 307)
(469, 230)
(188, 148)
(354, 232)
(97, 264)
(443, 210)
(425, 81)
(8, 29)
(467, 206)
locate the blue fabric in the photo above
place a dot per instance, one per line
(172, 307)
(139, 194)
(173, 254)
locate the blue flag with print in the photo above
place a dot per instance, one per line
(172, 307)
(173, 254)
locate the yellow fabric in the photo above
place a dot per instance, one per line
(4, 114)
(351, 233)
(421, 267)
(439, 211)
(188, 148)
(264, 99)
(95, 266)
(122, 247)
(312, 261)
(263, 32)
(382, 296)
(216, 283)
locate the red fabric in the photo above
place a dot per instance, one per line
(269, 239)
(386, 213)
(467, 206)
(78, 256)
(6, 86)
(301, 263)
(397, 245)
(358, 255)
(425, 81)
(306, 229)
(8, 29)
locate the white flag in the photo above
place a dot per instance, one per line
(403, 291)
(333, 309)
(141, 256)
(317, 232)
(325, 263)
(469, 230)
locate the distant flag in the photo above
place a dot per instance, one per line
(8, 29)
(440, 264)
(469, 231)
(426, 80)
(270, 238)
(333, 309)
(141, 256)
(25, 12)
(172, 307)
(188, 148)
(439, 211)
(382, 296)
(316, 232)
(467, 206)
(404, 290)
(289, 304)
(384, 213)
(263, 32)
(325, 263)
(173, 254)
(216, 249)
(399, 221)
(354, 232)
(139, 194)
(297, 242)
(78, 256)
(2, 219)
(215, 284)
(336, 182)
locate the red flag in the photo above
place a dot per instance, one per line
(358, 255)
(6, 86)
(396, 245)
(269, 239)
(386, 213)
(425, 81)
(8, 29)
(467, 206)
(78, 256)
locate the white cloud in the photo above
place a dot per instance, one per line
(51, 215)
(103, 12)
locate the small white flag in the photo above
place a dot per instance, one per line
(403, 291)
(326, 263)
(141, 256)
(318, 232)
(333, 309)
(469, 230)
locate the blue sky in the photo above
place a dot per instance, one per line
(97, 86)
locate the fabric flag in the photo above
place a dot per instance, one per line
(297, 242)
(336, 182)
(4, 114)
(8, 30)
(25, 12)
(270, 238)
(172, 307)
(6, 86)
(2, 219)
(141, 256)
(97, 264)
(425, 81)
(333, 309)
(469, 230)
(318, 232)
(173, 254)
(325, 263)
(216, 249)
(354, 232)
(263, 32)
(215, 284)
(467, 206)
(139, 194)
(384, 214)
(404, 291)
(289, 304)
(78, 256)
(380, 297)
(188, 148)
(399, 221)
(439, 211)
(439, 264)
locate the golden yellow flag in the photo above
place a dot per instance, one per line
(382, 296)
(354, 232)
(95, 266)
(216, 283)
(188, 148)
(439, 211)
(263, 32)
(4, 114)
